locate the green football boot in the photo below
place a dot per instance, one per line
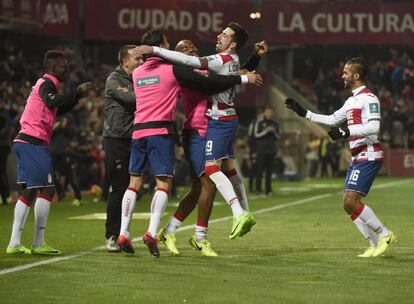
(169, 241)
(203, 247)
(45, 249)
(242, 225)
(18, 250)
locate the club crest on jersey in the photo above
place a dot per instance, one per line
(373, 108)
(146, 81)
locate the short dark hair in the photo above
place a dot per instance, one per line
(52, 55)
(240, 34)
(360, 66)
(153, 38)
(124, 52)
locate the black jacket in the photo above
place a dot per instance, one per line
(266, 140)
(119, 105)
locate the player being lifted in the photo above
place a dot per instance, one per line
(361, 111)
(193, 138)
(157, 85)
(223, 122)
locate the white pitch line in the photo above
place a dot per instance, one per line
(188, 227)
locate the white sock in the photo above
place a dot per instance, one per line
(21, 211)
(240, 190)
(158, 205)
(41, 213)
(173, 225)
(128, 206)
(368, 234)
(201, 233)
(369, 217)
(225, 188)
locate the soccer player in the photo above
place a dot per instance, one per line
(34, 163)
(118, 123)
(361, 111)
(157, 85)
(223, 121)
(193, 138)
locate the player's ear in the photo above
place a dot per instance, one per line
(356, 76)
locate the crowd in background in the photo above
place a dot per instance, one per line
(391, 80)
(77, 140)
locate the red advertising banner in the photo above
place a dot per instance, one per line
(23, 11)
(399, 162)
(200, 21)
(332, 22)
(59, 17)
(44, 17)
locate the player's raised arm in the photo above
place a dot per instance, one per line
(334, 119)
(173, 56)
(260, 49)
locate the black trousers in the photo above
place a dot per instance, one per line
(117, 152)
(264, 163)
(64, 165)
(4, 181)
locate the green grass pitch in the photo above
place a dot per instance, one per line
(302, 250)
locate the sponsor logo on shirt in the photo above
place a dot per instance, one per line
(146, 81)
(373, 108)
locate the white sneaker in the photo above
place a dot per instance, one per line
(111, 245)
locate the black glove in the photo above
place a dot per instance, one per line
(295, 107)
(338, 133)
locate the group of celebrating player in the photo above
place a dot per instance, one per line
(207, 87)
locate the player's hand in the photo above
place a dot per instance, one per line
(295, 107)
(83, 88)
(254, 78)
(261, 48)
(338, 133)
(271, 129)
(142, 50)
(86, 86)
(243, 72)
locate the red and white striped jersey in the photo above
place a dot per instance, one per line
(358, 110)
(221, 106)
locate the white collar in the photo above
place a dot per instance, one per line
(358, 90)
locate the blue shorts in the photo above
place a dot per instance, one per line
(220, 139)
(194, 151)
(34, 165)
(361, 175)
(155, 152)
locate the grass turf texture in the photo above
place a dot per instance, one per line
(304, 253)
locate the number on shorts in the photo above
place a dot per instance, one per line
(354, 175)
(209, 146)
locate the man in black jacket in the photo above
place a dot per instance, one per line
(119, 117)
(266, 133)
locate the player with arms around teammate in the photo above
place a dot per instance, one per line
(157, 86)
(361, 111)
(34, 163)
(202, 190)
(223, 122)
(118, 122)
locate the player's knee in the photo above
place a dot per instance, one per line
(232, 173)
(211, 169)
(196, 187)
(48, 191)
(29, 195)
(349, 204)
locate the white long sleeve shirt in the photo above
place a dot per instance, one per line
(362, 113)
